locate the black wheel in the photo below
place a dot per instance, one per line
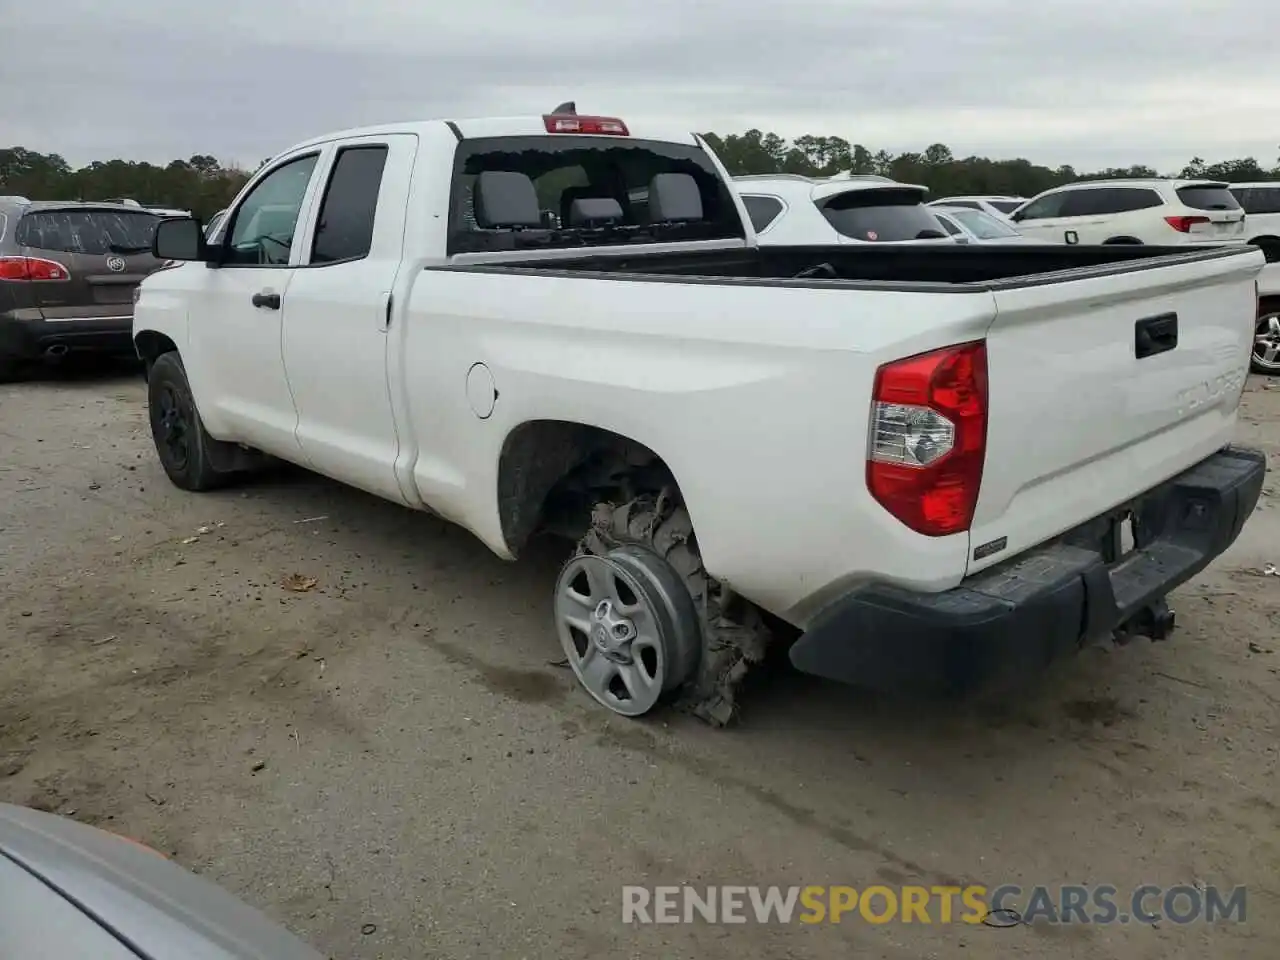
(1266, 343)
(646, 548)
(179, 435)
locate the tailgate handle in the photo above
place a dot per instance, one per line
(1153, 335)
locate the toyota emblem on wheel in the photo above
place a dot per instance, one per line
(115, 264)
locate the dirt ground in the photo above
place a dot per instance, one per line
(391, 764)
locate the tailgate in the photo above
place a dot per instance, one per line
(1103, 386)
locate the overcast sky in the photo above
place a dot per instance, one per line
(1087, 82)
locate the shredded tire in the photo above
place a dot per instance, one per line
(728, 646)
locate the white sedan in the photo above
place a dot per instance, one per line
(976, 226)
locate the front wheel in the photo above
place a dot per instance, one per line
(1266, 344)
(180, 438)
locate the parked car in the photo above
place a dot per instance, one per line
(71, 890)
(789, 209)
(863, 440)
(996, 206)
(68, 272)
(1261, 204)
(1161, 212)
(968, 225)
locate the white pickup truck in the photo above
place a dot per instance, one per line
(930, 467)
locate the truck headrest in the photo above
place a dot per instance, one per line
(587, 210)
(505, 198)
(674, 198)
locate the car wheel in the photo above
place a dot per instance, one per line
(1266, 344)
(180, 438)
(640, 621)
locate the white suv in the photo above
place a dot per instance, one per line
(1261, 203)
(1159, 212)
(790, 209)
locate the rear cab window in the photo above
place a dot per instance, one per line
(90, 232)
(1005, 206)
(611, 175)
(1208, 197)
(881, 216)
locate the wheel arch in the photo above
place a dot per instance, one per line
(151, 344)
(548, 470)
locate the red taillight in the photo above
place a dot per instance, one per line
(929, 438)
(572, 123)
(1184, 224)
(32, 268)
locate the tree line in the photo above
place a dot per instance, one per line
(203, 185)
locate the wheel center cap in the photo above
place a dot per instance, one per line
(612, 634)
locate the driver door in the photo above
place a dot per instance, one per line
(235, 321)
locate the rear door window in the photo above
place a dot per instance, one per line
(568, 168)
(90, 232)
(762, 211)
(882, 216)
(344, 230)
(1208, 198)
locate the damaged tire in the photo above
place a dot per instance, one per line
(641, 621)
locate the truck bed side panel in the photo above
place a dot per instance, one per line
(762, 391)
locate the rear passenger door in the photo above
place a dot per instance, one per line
(339, 309)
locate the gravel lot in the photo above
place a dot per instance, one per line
(391, 764)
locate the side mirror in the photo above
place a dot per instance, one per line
(179, 238)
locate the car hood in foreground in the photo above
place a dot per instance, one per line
(138, 898)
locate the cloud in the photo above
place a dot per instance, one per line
(1085, 82)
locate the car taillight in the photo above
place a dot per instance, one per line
(32, 268)
(929, 438)
(572, 123)
(1184, 224)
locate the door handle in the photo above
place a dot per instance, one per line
(269, 300)
(1154, 335)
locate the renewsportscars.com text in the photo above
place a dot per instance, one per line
(1065, 904)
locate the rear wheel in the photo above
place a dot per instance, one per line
(1266, 343)
(181, 442)
(642, 623)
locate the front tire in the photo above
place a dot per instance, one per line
(181, 442)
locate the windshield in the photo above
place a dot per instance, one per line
(983, 225)
(1006, 206)
(882, 216)
(602, 170)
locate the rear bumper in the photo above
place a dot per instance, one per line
(29, 339)
(1006, 623)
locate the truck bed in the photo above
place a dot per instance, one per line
(932, 268)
